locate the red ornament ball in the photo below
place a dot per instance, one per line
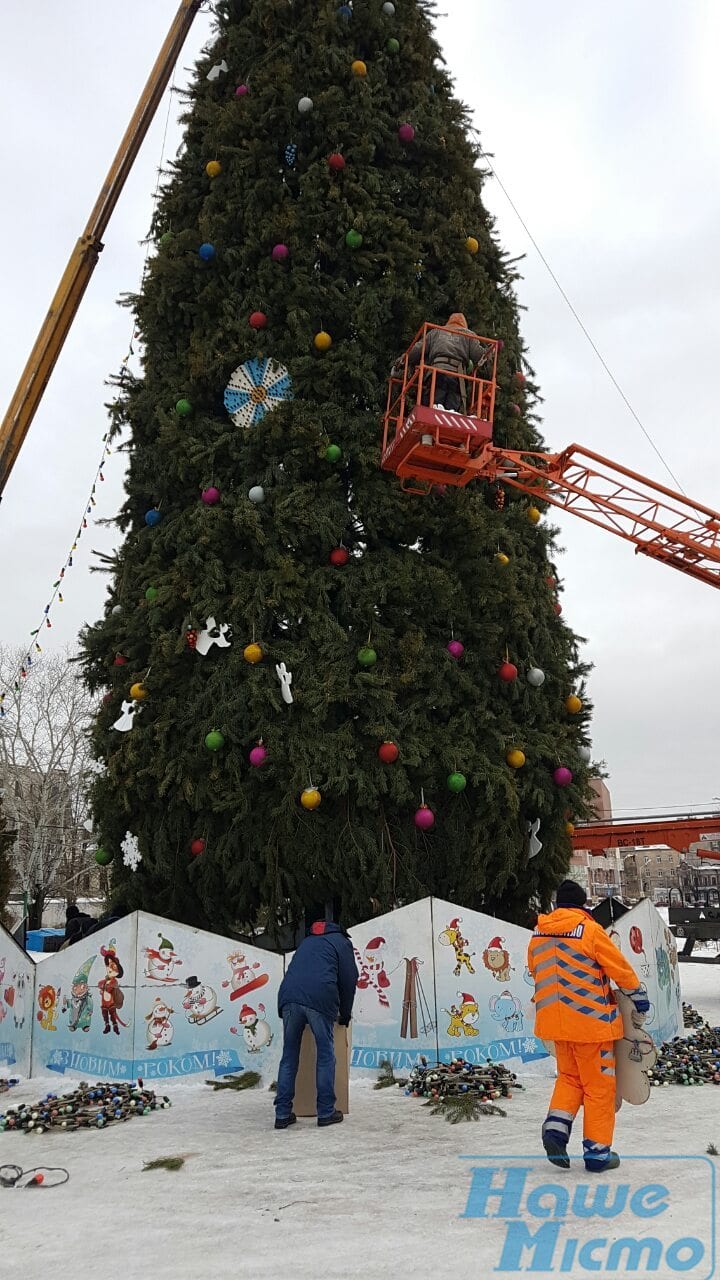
(197, 846)
(339, 556)
(388, 752)
(336, 162)
(520, 379)
(507, 672)
(107, 698)
(515, 408)
(258, 320)
(119, 660)
(558, 608)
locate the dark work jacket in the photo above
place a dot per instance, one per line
(322, 974)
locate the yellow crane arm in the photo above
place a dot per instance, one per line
(63, 308)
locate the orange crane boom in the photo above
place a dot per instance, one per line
(676, 833)
(83, 260)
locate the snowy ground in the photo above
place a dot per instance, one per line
(379, 1196)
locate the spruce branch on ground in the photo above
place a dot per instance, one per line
(387, 1077)
(711, 1150)
(247, 1080)
(171, 1163)
(463, 1107)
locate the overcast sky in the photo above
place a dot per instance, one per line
(604, 123)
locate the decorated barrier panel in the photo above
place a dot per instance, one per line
(152, 998)
(17, 977)
(149, 997)
(440, 981)
(645, 940)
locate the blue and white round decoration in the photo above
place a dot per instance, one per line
(255, 388)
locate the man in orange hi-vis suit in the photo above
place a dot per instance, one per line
(572, 960)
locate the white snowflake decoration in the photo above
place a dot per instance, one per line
(56, 1058)
(529, 1046)
(132, 856)
(223, 1058)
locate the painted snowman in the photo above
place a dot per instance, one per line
(256, 1030)
(159, 1028)
(160, 961)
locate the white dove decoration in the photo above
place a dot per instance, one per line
(213, 634)
(218, 70)
(125, 722)
(535, 844)
(285, 678)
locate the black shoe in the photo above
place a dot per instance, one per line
(556, 1153)
(335, 1118)
(283, 1122)
(611, 1163)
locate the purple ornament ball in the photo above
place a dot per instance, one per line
(211, 496)
(241, 91)
(424, 818)
(258, 756)
(406, 133)
(280, 253)
(455, 648)
(562, 777)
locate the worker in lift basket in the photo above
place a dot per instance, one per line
(572, 961)
(457, 352)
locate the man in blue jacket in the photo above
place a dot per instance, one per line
(317, 990)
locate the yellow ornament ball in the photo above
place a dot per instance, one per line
(502, 558)
(472, 245)
(533, 514)
(323, 341)
(573, 704)
(310, 798)
(213, 168)
(138, 691)
(252, 653)
(359, 68)
(569, 828)
(515, 758)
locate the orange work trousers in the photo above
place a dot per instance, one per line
(586, 1078)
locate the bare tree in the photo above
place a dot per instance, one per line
(45, 772)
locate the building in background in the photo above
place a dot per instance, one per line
(599, 874)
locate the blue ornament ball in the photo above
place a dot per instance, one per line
(291, 154)
(344, 11)
(152, 518)
(207, 252)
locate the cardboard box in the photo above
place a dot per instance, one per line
(305, 1103)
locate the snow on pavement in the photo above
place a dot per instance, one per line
(380, 1195)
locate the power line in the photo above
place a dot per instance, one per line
(579, 320)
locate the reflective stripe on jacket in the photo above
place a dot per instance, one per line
(572, 961)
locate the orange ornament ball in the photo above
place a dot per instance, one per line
(515, 758)
(138, 691)
(502, 558)
(213, 168)
(252, 653)
(472, 245)
(573, 704)
(359, 68)
(310, 798)
(533, 514)
(569, 828)
(322, 341)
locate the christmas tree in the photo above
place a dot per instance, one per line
(326, 202)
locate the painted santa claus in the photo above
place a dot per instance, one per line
(371, 969)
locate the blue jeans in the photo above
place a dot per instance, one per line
(295, 1018)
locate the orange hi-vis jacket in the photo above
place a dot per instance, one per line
(572, 959)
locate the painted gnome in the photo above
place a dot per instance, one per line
(81, 1001)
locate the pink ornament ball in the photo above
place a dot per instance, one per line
(280, 253)
(241, 91)
(515, 408)
(258, 756)
(562, 777)
(455, 648)
(406, 133)
(210, 496)
(424, 818)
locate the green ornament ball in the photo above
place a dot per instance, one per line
(166, 238)
(103, 857)
(151, 594)
(353, 239)
(393, 45)
(367, 657)
(333, 453)
(457, 782)
(214, 740)
(183, 408)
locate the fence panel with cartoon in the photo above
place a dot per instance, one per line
(17, 989)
